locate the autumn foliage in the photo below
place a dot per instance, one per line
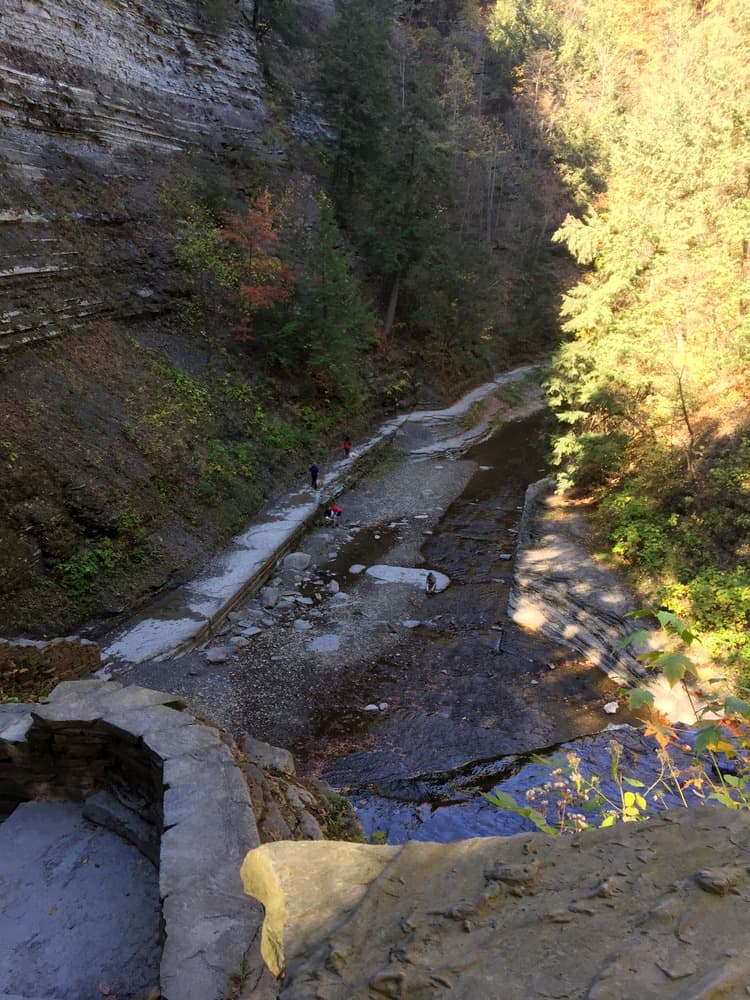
(264, 279)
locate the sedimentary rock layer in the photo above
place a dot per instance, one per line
(98, 102)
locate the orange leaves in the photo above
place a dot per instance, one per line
(660, 729)
(264, 278)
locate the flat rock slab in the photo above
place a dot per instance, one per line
(324, 644)
(655, 909)
(79, 908)
(408, 574)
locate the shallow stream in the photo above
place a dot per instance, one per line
(469, 695)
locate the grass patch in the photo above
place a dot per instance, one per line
(472, 416)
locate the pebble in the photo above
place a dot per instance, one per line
(218, 654)
(250, 632)
(383, 706)
(301, 625)
(611, 707)
(371, 708)
(411, 623)
(356, 569)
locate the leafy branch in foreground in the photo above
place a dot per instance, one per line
(708, 763)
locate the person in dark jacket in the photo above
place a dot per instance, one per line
(314, 476)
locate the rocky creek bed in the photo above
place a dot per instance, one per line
(377, 686)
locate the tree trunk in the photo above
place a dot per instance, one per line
(390, 313)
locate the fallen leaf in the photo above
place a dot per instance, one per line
(52, 911)
(104, 989)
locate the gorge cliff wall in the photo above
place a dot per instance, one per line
(105, 107)
(99, 99)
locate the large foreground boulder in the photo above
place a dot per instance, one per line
(647, 910)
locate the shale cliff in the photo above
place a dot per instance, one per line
(97, 100)
(111, 481)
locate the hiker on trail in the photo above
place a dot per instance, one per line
(347, 446)
(314, 476)
(333, 515)
(430, 583)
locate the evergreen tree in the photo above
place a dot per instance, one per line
(356, 87)
(330, 326)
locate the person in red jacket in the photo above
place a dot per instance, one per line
(333, 515)
(347, 446)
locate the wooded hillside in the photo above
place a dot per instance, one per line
(644, 107)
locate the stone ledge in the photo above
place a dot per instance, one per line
(560, 591)
(94, 737)
(654, 909)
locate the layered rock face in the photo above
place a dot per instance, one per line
(98, 101)
(562, 591)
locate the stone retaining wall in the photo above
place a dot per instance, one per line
(185, 787)
(361, 465)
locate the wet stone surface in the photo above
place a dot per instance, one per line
(71, 888)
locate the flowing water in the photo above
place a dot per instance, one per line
(469, 694)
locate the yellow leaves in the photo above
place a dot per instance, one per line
(633, 806)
